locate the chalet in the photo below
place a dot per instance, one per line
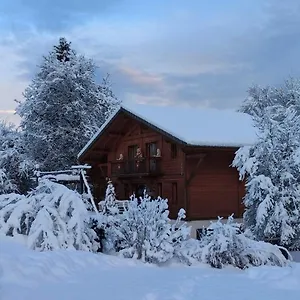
(180, 153)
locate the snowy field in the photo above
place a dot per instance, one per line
(78, 275)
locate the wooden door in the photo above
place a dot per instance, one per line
(151, 153)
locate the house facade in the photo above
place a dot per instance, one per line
(148, 151)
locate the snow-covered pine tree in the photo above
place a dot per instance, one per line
(15, 167)
(272, 168)
(108, 219)
(109, 206)
(63, 107)
(260, 98)
(63, 50)
(52, 216)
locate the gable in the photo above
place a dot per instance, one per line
(121, 124)
(188, 126)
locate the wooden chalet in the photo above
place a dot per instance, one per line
(182, 154)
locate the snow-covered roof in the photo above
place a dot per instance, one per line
(192, 125)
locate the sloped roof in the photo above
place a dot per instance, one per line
(191, 125)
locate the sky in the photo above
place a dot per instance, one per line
(199, 53)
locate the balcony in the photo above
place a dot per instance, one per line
(147, 166)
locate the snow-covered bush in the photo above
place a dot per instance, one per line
(6, 184)
(15, 214)
(144, 230)
(225, 244)
(52, 216)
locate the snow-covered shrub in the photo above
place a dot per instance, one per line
(6, 184)
(225, 244)
(16, 214)
(145, 232)
(51, 215)
(189, 252)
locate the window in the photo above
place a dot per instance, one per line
(151, 149)
(151, 152)
(173, 150)
(174, 193)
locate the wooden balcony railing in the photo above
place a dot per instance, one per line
(145, 166)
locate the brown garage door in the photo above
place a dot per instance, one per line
(214, 191)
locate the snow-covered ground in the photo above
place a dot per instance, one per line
(296, 256)
(63, 275)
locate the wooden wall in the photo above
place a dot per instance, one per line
(170, 184)
(215, 190)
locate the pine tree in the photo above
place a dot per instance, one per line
(272, 166)
(63, 108)
(261, 98)
(63, 50)
(15, 167)
(109, 206)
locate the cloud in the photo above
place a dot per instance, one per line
(141, 78)
(7, 111)
(200, 53)
(10, 86)
(52, 15)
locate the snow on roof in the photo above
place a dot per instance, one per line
(95, 136)
(194, 126)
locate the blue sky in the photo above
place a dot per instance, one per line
(199, 52)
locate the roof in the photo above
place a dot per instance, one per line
(191, 125)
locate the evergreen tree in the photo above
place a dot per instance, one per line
(15, 167)
(109, 205)
(63, 108)
(63, 50)
(272, 166)
(261, 98)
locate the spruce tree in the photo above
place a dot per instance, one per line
(63, 107)
(271, 167)
(15, 166)
(63, 50)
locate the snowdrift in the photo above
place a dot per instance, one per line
(75, 275)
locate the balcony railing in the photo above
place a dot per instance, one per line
(144, 166)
